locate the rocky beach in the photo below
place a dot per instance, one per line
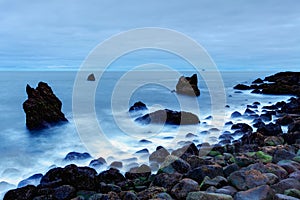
(262, 164)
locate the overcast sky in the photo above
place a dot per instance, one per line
(238, 35)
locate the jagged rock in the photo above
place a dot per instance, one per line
(258, 81)
(91, 77)
(188, 85)
(169, 117)
(42, 107)
(138, 106)
(159, 155)
(174, 164)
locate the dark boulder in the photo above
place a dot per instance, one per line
(42, 107)
(286, 184)
(166, 180)
(138, 172)
(80, 177)
(285, 120)
(91, 77)
(24, 193)
(247, 179)
(138, 106)
(64, 192)
(294, 127)
(243, 127)
(198, 174)
(169, 117)
(242, 87)
(263, 192)
(174, 164)
(292, 138)
(188, 86)
(186, 151)
(111, 176)
(270, 129)
(292, 107)
(185, 186)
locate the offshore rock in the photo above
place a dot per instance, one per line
(188, 86)
(42, 107)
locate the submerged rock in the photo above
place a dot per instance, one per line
(77, 156)
(42, 107)
(32, 180)
(169, 117)
(188, 86)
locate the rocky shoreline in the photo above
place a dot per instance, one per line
(263, 164)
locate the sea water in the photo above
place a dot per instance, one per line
(24, 153)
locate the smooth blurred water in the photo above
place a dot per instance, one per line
(23, 153)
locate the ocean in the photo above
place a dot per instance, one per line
(24, 153)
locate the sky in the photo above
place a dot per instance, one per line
(237, 34)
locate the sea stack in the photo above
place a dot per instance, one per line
(42, 107)
(188, 86)
(91, 77)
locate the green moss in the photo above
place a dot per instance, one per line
(251, 154)
(214, 153)
(232, 160)
(293, 193)
(297, 159)
(263, 157)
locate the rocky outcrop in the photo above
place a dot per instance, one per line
(169, 117)
(283, 83)
(188, 86)
(42, 107)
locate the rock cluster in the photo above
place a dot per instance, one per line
(165, 116)
(260, 165)
(287, 83)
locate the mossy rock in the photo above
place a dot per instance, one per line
(297, 159)
(214, 153)
(265, 158)
(293, 193)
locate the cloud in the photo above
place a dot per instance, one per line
(235, 33)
